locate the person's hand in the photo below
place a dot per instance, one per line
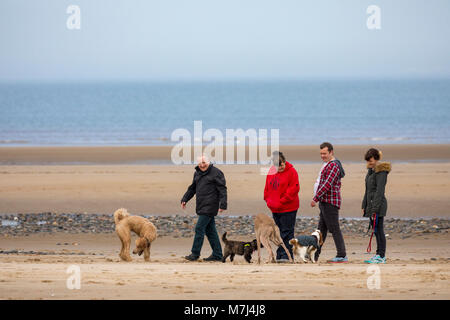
(221, 210)
(274, 205)
(183, 205)
(362, 211)
(313, 203)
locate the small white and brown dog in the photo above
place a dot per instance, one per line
(304, 247)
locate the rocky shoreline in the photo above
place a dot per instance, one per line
(183, 226)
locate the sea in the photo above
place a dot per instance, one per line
(305, 112)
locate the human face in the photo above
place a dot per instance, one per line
(203, 163)
(326, 155)
(372, 163)
(282, 166)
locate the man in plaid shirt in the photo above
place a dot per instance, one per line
(327, 191)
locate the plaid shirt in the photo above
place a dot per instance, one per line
(329, 189)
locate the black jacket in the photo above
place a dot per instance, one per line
(210, 188)
(374, 200)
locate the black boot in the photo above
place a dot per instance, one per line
(213, 258)
(191, 257)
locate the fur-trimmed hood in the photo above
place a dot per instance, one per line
(383, 166)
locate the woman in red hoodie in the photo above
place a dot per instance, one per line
(281, 196)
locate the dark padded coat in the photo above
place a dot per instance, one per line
(374, 200)
(210, 189)
(307, 241)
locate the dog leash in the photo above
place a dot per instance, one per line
(375, 219)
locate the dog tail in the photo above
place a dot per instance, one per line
(120, 214)
(224, 238)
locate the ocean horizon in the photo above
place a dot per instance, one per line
(306, 112)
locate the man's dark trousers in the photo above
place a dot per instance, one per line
(329, 221)
(206, 225)
(286, 223)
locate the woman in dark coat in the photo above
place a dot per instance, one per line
(374, 204)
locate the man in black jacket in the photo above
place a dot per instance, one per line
(210, 189)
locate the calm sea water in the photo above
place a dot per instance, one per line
(306, 112)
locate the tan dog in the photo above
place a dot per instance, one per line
(139, 225)
(266, 230)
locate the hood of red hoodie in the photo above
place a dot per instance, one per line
(274, 170)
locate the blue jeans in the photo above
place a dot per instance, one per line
(206, 226)
(286, 223)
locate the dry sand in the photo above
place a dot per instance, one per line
(409, 274)
(413, 189)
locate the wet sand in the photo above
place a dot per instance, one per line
(162, 154)
(413, 189)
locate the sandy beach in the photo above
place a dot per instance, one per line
(36, 180)
(417, 268)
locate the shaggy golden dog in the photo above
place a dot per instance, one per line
(267, 231)
(139, 225)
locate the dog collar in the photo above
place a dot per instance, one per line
(247, 245)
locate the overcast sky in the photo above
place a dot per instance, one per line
(223, 39)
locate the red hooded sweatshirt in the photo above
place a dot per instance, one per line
(281, 191)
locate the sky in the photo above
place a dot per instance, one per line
(226, 39)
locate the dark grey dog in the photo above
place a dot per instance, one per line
(241, 248)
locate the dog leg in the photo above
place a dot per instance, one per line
(125, 238)
(287, 252)
(123, 252)
(127, 256)
(119, 233)
(303, 252)
(147, 253)
(312, 255)
(121, 248)
(258, 246)
(266, 244)
(232, 257)
(276, 237)
(224, 258)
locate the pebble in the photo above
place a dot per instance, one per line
(183, 226)
(44, 252)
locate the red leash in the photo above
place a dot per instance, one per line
(369, 247)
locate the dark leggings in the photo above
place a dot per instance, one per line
(381, 238)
